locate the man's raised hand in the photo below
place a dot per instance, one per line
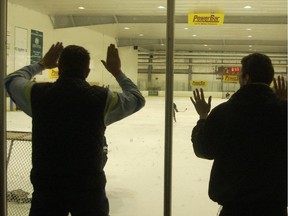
(50, 59)
(200, 104)
(113, 62)
(280, 87)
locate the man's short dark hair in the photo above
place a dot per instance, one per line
(259, 68)
(73, 61)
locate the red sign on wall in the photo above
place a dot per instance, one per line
(228, 70)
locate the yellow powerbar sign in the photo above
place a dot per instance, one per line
(53, 73)
(198, 83)
(206, 19)
(230, 78)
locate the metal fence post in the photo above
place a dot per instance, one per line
(3, 50)
(169, 107)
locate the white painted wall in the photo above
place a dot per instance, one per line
(96, 43)
(18, 16)
(129, 62)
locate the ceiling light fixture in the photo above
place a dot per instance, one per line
(81, 8)
(205, 45)
(186, 28)
(247, 7)
(141, 35)
(161, 7)
(194, 35)
(249, 36)
(126, 28)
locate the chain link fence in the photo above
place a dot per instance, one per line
(19, 187)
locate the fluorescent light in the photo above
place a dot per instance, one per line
(247, 7)
(141, 35)
(194, 35)
(126, 28)
(186, 28)
(161, 7)
(81, 8)
(205, 45)
(249, 36)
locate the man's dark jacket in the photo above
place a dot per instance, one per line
(247, 139)
(67, 134)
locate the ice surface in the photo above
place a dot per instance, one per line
(135, 168)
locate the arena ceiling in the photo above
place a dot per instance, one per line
(249, 26)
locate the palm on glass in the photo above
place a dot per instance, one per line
(280, 87)
(113, 62)
(202, 107)
(50, 59)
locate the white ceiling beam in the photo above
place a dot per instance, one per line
(65, 21)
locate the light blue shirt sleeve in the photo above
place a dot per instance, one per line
(118, 105)
(18, 85)
(121, 105)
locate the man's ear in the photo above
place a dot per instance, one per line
(246, 79)
(86, 73)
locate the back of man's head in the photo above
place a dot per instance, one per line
(258, 67)
(74, 62)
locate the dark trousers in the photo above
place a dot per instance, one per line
(92, 202)
(257, 210)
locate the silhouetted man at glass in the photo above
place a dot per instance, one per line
(69, 118)
(247, 139)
